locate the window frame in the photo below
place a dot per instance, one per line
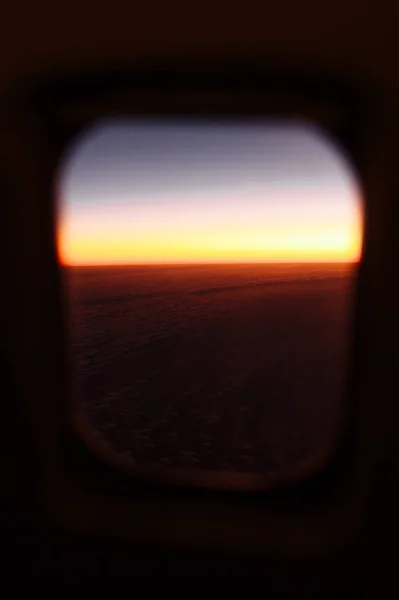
(80, 490)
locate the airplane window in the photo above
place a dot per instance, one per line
(209, 271)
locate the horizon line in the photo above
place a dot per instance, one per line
(194, 263)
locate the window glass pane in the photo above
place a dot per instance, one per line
(209, 270)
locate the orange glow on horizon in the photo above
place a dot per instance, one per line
(97, 242)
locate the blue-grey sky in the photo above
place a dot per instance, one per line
(155, 174)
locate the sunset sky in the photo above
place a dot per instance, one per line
(171, 192)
